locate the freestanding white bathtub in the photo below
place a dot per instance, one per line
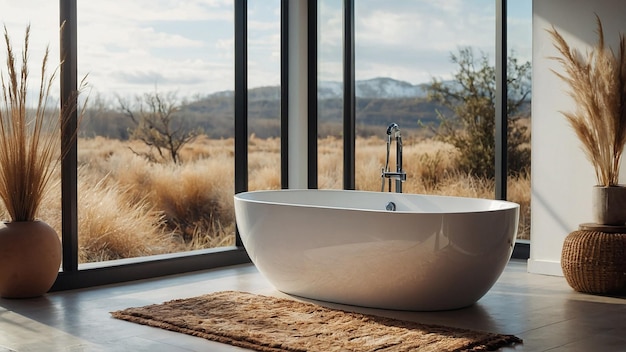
(431, 253)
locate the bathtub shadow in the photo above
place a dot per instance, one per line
(474, 317)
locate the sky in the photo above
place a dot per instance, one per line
(130, 47)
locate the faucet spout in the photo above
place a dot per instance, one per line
(399, 175)
(392, 128)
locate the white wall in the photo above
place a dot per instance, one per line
(297, 95)
(562, 177)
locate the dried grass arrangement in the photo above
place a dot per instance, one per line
(597, 83)
(30, 139)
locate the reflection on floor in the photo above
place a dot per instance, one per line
(542, 310)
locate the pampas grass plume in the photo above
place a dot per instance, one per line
(28, 145)
(597, 83)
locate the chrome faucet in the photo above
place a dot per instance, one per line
(399, 175)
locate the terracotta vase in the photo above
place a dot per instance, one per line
(609, 205)
(30, 258)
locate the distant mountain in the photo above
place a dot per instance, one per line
(375, 88)
(388, 88)
(379, 102)
(379, 88)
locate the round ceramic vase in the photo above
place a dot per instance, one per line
(30, 258)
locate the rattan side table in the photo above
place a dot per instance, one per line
(593, 259)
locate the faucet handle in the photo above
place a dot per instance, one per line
(395, 175)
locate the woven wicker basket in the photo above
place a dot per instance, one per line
(595, 261)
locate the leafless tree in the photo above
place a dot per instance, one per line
(157, 122)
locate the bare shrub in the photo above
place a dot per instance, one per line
(114, 227)
(429, 162)
(194, 200)
(330, 163)
(110, 225)
(197, 197)
(158, 123)
(264, 163)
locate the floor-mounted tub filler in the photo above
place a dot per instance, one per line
(375, 249)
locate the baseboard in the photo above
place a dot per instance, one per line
(544, 267)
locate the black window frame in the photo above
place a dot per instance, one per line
(75, 276)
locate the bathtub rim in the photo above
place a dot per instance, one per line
(245, 197)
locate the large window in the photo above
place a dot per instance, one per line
(158, 70)
(155, 153)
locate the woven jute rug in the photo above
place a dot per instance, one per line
(275, 324)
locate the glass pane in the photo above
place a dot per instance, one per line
(330, 94)
(156, 150)
(519, 37)
(264, 94)
(406, 50)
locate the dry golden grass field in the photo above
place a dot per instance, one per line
(131, 207)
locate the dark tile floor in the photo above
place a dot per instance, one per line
(542, 310)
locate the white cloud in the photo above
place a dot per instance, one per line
(133, 11)
(16, 16)
(412, 41)
(128, 46)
